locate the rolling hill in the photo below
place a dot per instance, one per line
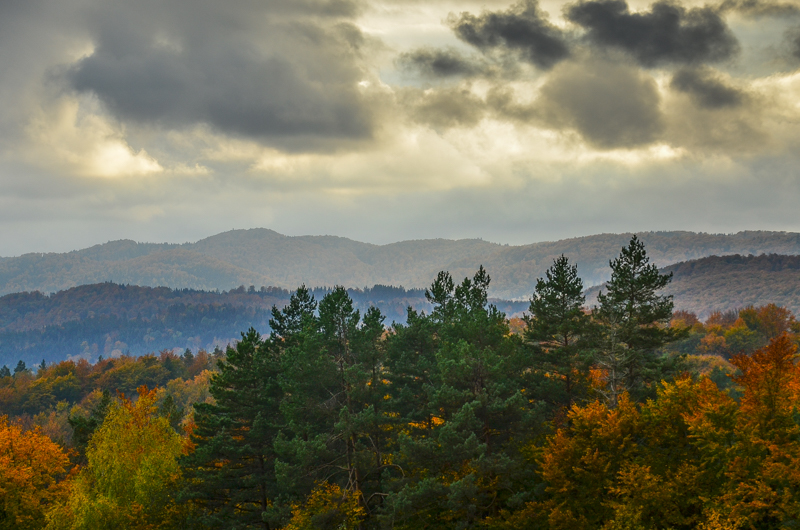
(722, 283)
(262, 257)
(110, 319)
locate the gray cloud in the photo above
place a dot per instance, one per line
(706, 89)
(432, 62)
(759, 8)
(668, 33)
(523, 28)
(443, 108)
(795, 43)
(270, 71)
(610, 105)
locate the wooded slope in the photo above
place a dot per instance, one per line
(109, 319)
(726, 283)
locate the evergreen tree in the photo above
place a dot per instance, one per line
(20, 368)
(83, 427)
(231, 473)
(288, 323)
(172, 412)
(558, 327)
(188, 357)
(5, 372)
(333, 384)
(460, 451)
(634, 320)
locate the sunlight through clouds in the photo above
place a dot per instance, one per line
(507, 110)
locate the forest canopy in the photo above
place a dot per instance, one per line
(630, 415)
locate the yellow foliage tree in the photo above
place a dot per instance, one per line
(132, 473)
(327, 507)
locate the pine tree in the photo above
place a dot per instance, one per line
(633, 318)
(334, 388)
(231, 473)
(462, 410)
(558, 327)
(83, 427)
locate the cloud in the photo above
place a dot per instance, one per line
(87, 144)
(668, 33)
(706, 89)
(794, 39)
(442, 108)
(523, 28)
(432, 62)
(298, 115)
(610, 105)
(759, 8)
(270, 71)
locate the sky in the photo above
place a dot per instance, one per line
(386, 120)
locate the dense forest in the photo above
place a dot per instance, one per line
(629, 415)
(108, 319)
(264, 257)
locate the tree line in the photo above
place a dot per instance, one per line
(585, 419)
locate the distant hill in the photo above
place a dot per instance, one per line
(262, 257)
(110, 319)
(721, 283)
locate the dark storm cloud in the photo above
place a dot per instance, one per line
(261, 70)
(706, 90)
(609, 105)
(523, 28)
(795, 43)
(668, 33)
(432, 62)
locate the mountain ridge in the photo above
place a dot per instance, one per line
(264, 257)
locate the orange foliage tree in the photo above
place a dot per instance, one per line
(694, 457)
(32, 473)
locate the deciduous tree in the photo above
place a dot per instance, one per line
(32, 477)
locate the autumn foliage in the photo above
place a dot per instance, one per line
(692, 458)
(131, 475)
(450, 421)
(32, 473)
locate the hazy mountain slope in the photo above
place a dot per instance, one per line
(172, 267)
(721, 283)
(105, 318)
(515, 269)
(328, 260)
(734, 282)
(264, 257)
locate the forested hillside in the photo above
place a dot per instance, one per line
(264, 257)
(630, 416)
(109, 319)
(724, 283)
(730, 283)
